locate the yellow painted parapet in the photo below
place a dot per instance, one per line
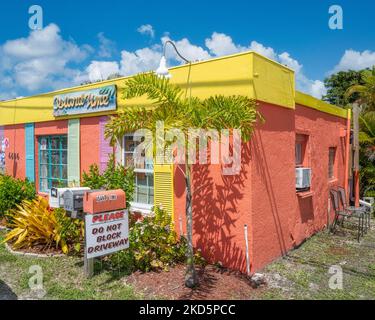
(311, 102)
(247, 73)
(272, 82)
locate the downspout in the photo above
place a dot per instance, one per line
(347, 156)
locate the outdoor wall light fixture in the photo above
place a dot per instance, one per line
(162, 71)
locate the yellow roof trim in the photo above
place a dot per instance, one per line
(314, 103)
(246, 73)
(111, 81)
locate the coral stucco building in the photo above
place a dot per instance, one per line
(50, 142)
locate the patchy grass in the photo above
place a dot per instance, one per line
(304, 272)
(63, 278)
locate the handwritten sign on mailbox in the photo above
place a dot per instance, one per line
(101, 201)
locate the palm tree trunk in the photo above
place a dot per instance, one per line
(191, 279)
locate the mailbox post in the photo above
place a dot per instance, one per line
(106, 225)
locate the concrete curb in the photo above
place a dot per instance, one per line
(32, 255)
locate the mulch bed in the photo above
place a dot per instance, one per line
(2, 223)
(37, 249)
(214, 283)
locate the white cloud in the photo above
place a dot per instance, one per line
(288, 61)
(355, 60)
(316, 88)
(101, 70)
(263, 50)
(147, 29)
(221, 44)
(107, 47)
(141, 60)
(43, 43)
(188, 50)
(41, 60)
(44, 60)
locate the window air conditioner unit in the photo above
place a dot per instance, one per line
(303, 178)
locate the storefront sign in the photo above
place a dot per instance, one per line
(106, 233)
(83, 102)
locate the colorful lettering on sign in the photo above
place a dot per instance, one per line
(106, 233)
(95, 100)
(103, 217)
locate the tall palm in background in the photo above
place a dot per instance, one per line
(366, 91)
(170, 104)
(367, 129)
(367, 153)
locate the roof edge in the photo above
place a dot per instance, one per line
(320, 105)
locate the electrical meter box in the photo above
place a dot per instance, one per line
(73, 199)
(98, 201)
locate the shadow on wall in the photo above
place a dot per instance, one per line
(6, 293)
(15, 168)
(262, 167)
(216, 214)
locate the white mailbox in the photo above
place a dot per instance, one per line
(73, 200)
(56, 199)
(56, 196)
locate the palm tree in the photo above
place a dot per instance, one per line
(366, 100)
(176, 109)
(367, 154)
(366, 91)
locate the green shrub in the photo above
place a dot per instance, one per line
(153, 245)
(71, 231)
(370, 193)
(35, 224)
(114, 177)
(12, 193)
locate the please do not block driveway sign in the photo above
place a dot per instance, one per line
(106, 233)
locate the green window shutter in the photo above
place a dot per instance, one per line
(164, 187)
(29, 152)
(73, 152)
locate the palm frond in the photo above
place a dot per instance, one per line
(126, 121)
(158, 90)
(228, 112)
(367, 123)
(354, 89)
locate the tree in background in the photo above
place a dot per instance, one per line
(367, 153)
(338, 84)
(364, 92)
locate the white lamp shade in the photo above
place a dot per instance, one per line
(162, 71)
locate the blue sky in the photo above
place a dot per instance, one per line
(87, 40)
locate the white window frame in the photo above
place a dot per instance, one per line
(143, 208)
(333, 169)
(298, 154)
